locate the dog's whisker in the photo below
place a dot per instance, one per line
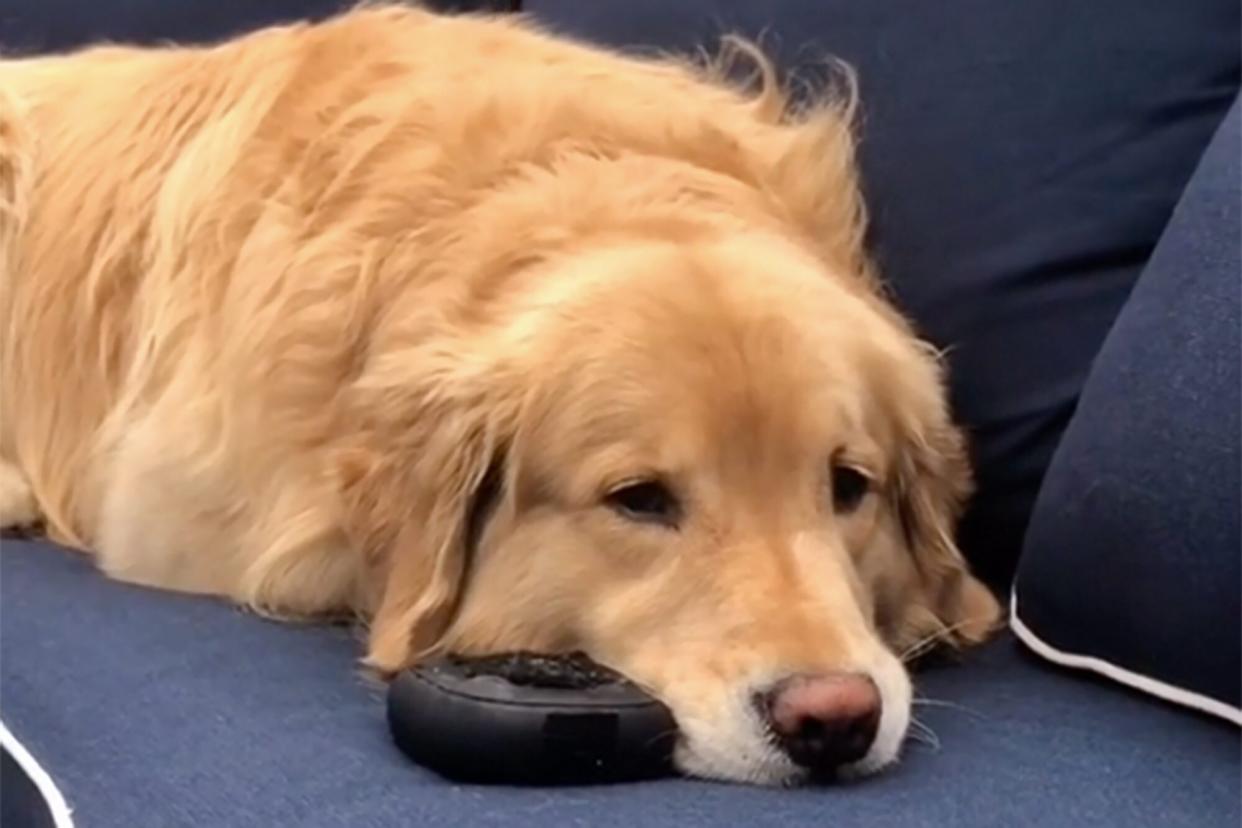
(920, 732)
(926, 702)
(664, 734)
(920, 647)
(926, 643)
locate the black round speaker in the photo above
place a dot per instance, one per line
(530, 719)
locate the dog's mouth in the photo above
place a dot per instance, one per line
(803, 729)
(764, 763)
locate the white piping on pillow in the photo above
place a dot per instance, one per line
(1146, 684)
(56, 805)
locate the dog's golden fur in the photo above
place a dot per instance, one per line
(273, 310)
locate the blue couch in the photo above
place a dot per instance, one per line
(1055, 197)
(150, 709)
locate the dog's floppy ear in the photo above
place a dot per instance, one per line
(424, 453)
(933, 483)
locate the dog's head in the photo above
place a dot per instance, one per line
(715, 467)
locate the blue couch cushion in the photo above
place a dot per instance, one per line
(1021, 160)
(24, 801)
(149, 708)
(1133, 563)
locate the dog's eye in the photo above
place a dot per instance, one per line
(648, 501)
(849, 487)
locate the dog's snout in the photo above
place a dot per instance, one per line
(823, 721)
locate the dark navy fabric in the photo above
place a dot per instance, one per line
(1020, 159)
(21, 803)
(155, 709)
(31, 26)
(1135, 548)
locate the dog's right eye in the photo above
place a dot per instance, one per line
(849, 487)
(648, 501)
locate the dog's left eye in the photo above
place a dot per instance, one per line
(647, 501)
(849, 487)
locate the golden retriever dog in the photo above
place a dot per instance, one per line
(497, 341)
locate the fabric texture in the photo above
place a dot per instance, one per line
(1135, 549)
(1020, 159)
(35, 26)
(150, 708)
(21, 802)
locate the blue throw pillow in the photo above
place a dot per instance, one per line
(1021, 160)
(1133, 563)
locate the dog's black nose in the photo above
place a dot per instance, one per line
(823, 721)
